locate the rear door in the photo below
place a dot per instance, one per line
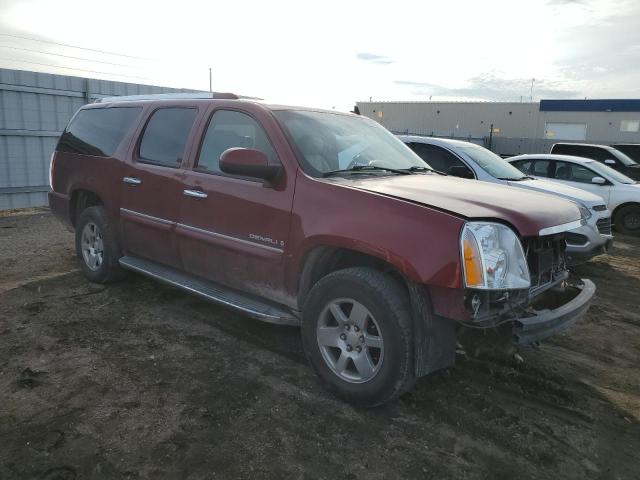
(233, 230)
(152, 184)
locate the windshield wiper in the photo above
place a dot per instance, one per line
(509, 179)
(424, 169)
(365, 168)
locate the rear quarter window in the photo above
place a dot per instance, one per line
(97, 131)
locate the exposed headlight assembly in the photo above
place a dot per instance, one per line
(493, 258)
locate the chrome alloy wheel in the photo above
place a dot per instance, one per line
(92, 246)
(350, 340)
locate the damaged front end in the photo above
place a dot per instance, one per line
(552, 303)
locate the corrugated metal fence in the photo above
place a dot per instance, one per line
(34, 110)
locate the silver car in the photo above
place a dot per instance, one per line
(468, 160)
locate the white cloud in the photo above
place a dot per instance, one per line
(333, 53)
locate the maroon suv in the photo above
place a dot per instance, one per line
(319, 219)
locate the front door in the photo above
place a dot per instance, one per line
(152, 186)
(233, 230)
(580, 176)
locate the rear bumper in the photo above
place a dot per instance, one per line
(59, 205)
(548, 319)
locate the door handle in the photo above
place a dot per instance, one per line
(132, 180)
(195, 193)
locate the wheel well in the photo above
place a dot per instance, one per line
(324, 260)
(81, 199)
(622, 205)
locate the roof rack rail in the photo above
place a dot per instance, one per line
(171, 96)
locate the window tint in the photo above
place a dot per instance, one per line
(165, 137)
(229, 129)
(573, 172)
(540, 168)
(524, 166)
(97, 131)
(631, 150)
(438, 158)
(491, 163)
(596, 153)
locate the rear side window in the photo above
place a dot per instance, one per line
(165, 137)
(97, 131)
(230, 129)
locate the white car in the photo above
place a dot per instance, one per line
(468, 160)
(621, 193)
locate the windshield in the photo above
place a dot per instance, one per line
(492, 163)
(330, 141)
(623, 157)
(610, 172)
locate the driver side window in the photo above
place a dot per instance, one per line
(229, 129)
(573, 172)
(438, 158)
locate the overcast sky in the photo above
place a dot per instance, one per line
(332, 53)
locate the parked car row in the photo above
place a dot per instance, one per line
(467, 160)
(612, 156)
(620, 193)
(327, 221)
(588, 180)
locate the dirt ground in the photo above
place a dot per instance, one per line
(137, 380)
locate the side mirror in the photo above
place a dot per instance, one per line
(248, 162)
(608, 161)
(460, 171)
(598, 180)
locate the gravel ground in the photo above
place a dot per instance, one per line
(138, 380)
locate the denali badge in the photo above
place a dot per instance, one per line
(277, 243)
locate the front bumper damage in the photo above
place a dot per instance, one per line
(535, 314)
(554, 311)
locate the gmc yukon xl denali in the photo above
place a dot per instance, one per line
(319, 219)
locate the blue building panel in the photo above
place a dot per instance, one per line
(604, 105)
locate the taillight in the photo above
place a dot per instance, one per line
(53, 156)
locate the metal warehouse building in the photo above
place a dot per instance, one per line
(517, 127)
(34, 109)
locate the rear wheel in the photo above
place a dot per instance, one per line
(356, 333)
(627, 220)
(97, 247)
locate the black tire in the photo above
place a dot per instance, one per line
(627, 220)
(388, 302)
(109, 269)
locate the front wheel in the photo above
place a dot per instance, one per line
(356, 333)
(627, 220)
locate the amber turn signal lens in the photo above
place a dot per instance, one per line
(472, 263)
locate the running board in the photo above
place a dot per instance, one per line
(248, 304)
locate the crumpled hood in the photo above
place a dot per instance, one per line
(565, 191)
(528, 212)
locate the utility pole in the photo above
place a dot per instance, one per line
(210, 83)
(490, 136)
(533, 80)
